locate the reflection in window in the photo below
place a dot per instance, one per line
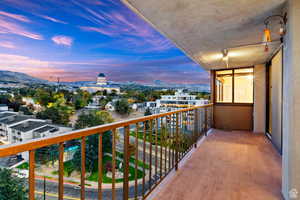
(224, 86)
(234, 86)
(243, 85)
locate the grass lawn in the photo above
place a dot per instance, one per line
(68, 169)
(105, 179)
(132, 160)
(24, 165)
(141, 137)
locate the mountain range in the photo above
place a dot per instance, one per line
(18, 77)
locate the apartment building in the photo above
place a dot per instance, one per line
(179, 100)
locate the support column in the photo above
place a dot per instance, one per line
(291, 104)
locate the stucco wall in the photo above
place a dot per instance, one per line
(259, 110)
(276, 100)
(291, 103)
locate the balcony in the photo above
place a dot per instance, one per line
(227, 165)
(143, 153)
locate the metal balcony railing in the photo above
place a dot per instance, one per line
(152, 146)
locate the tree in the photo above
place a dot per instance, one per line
(47, 154)
(43, 97)
(122, 107)
(141, 97)
(11, 186)
(147, 112)
(58, 111)
(93, 118)
(59, 115)
(103, 101)
(81, 99)
(26, 110)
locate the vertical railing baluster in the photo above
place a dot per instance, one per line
(136, 161)
(206, 127)
(144, 157)
(156, 147)
(170, 142)
(100, 164)
(176, 142)
(31, 174)
(61, 171)
(195, 127)
(82, 184)
(202, 121)
(180, 129)
(182, 133)
(166, 143)
(150, 156)
(161, 146)
(173, 146)
(126, 163)
(113, 185)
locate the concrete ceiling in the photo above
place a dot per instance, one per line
(203, 28)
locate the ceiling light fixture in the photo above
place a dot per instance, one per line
(267, 32)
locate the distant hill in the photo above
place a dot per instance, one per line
(17, 77)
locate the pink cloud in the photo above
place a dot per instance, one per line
(15, 16)
(53, 19)
(62, 40)
(99, 30)
(28, 65)
(125, 26)
(8, 45)
(7, 27)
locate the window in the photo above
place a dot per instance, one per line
(234, 86)
(243, 85)
(224, 86)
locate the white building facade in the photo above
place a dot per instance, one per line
(177, 101)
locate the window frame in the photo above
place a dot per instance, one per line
(233, 86)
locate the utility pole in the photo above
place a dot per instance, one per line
(58, 82)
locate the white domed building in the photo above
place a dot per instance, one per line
(101, 79)
(101, 85)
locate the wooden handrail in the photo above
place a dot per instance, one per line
(12, 149)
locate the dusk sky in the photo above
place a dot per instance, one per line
(77, 39)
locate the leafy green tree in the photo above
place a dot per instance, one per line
(27, 92)
(11, 186)
(47, 154)
(43, 97)
(147, 112)
(58, 115)
(81, 99)
(58, 111)
(92, 118)
(122, 107)
(5, 99)
(141, 97)
(26, 110)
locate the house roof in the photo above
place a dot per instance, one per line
(204, 28)
(6, 114)
(28, 126)
(45, 128)
(13, 119)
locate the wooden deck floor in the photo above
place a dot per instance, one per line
(228, 166)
